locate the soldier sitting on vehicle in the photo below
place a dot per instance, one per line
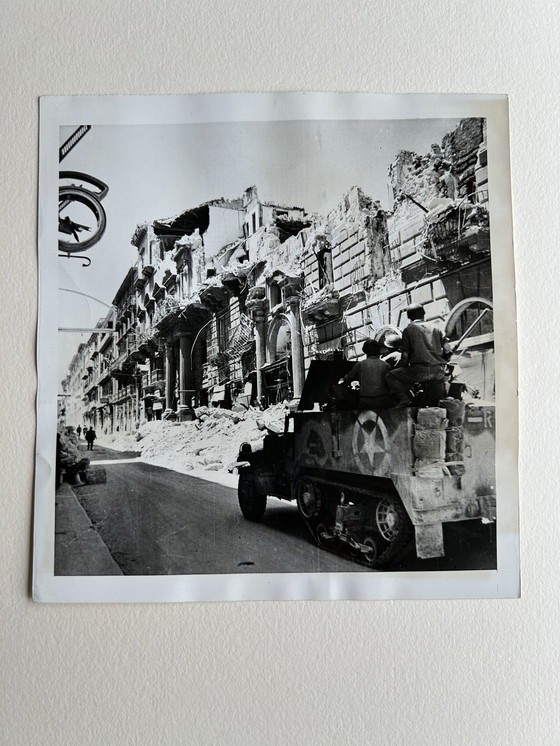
(392, 344)
(425, 353)
(370, 375)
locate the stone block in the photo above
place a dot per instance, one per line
(344, 286)
(357, 250)
(407, 249)
(354, 320)
(347, 266)
(410, 231)
(95, 475)
(422, 294)
(352, 240)
(481, 177)
(438, 290)
(339, 236)
(437, 310)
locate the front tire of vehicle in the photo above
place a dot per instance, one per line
(251, 502)
(308, 498)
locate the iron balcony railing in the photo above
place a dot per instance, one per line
(448, 229)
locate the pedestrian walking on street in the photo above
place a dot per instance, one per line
(79, 430)
(90, 436)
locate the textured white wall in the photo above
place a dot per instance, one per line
(285, 673)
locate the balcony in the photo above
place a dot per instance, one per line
(168, 307)
(152, 381)
(457, 230)
(157, 377)
(124, 393)
(169, 279)
(147, 343)
(90, 386)
(322, 306)
(124, 364)
(117, 363)
(213, 296)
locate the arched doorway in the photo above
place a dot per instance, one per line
(470, 330)
(278, 370)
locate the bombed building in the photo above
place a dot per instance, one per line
(229, 301)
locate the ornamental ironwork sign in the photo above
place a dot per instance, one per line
(81, 217)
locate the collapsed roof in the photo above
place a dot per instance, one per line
(184, 224)
(197, 218)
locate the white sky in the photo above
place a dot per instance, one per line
(156, 171)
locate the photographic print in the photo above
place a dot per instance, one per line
(276, 349)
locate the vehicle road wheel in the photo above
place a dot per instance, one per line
(308, 499)
(320, 534)
(389, 519)
(391, 533)
(251, 502)
(370, 556)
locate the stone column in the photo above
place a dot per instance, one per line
(186, 378)
(260, 339)
(257, 307)
(169, 378)
(292, 290)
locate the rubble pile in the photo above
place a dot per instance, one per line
(208, 444)
(444, 173)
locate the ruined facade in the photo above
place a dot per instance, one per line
(229, 301)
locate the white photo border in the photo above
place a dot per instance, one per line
(244, 107)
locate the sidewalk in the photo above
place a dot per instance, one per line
(79, 550)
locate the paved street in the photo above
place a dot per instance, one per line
(158, 522)
(154, 521)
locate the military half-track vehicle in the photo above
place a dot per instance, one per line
(370, 483)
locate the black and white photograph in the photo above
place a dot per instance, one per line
(276, 349)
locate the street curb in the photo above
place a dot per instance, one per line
(79, 550)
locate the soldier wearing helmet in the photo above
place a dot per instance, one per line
(425, 352)
(392, 343)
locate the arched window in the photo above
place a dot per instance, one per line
(279, 340)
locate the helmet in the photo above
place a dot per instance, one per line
(391, 341)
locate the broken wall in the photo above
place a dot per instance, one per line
(190, 260)
(460, 148)
(446, 172)
(225, 226)
(356, 234)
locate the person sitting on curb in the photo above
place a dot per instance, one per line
(370, 374)
(68, 462)
(425, 353)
